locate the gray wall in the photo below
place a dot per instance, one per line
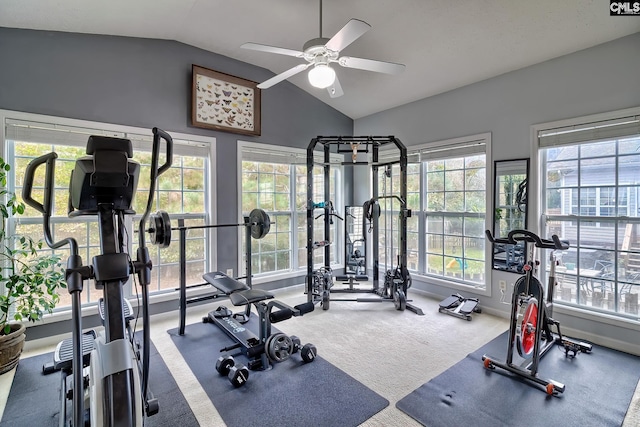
(595, 80)
(147, 83)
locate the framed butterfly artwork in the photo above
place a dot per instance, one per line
(224, 102)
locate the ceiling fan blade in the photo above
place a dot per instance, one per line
(273, 49)
(283, 76)
(347, 35)
(335, 90)
(371, 65)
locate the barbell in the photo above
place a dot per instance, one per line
(160, 228)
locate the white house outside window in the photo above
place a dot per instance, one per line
(591, 184)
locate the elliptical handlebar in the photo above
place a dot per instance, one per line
(516, 236)
(156, 171)
(46, 207)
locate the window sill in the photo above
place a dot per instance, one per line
(432, 280)
(599, 317)
(92, 310)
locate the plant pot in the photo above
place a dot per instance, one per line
(11, 347)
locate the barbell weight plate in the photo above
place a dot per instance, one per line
(399, 300)
(260, 223)
(160, 229)
(278, 347)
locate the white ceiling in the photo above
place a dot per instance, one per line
(444, 44)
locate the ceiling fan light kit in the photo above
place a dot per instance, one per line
(321, 52)
(321, 76)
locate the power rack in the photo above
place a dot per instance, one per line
(398, 281)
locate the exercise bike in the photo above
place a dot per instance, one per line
(110, 376)
(532, 314)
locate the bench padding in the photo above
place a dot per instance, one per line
(249, 296)
(224, 283)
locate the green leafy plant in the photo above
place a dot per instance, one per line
(29, 279)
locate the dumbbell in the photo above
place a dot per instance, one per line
(238, 374)
(308, 352)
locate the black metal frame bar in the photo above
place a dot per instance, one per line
(183, 300)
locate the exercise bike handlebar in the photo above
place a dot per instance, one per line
(516, 236)
(46, 206)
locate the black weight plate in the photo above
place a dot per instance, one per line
(260, 223)
(399, 300)
(326, 298)
(160, 229)
(278, 347)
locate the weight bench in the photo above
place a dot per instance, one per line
(458, 306)
(251, 345)
(239, 294)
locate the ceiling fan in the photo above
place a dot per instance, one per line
(321, 52)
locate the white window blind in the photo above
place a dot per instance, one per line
(56, 134)
(452, 150)
(254, 152)
(593, 132)
(437, 150)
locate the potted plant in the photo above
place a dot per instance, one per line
(29, 280)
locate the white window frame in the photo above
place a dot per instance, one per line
(298, 157)
(115, 129)
(535, 181)
(419, 153)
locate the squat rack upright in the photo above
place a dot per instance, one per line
(356, 145)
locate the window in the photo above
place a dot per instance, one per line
(275, 179)
(591, 185)
(455, 192)
(182, 191)
(447, 196)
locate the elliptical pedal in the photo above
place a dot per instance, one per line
(127, 310)
(63, 354)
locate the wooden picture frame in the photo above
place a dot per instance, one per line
(223, 102)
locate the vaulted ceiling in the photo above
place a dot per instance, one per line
(444, 44)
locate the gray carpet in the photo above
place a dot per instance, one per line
(291, 393)
(34, 397)
(599, 388)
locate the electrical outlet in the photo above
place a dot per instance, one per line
(230, 272)
(503, 285)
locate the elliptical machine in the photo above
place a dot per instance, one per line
(532, 314)
(103, 183)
